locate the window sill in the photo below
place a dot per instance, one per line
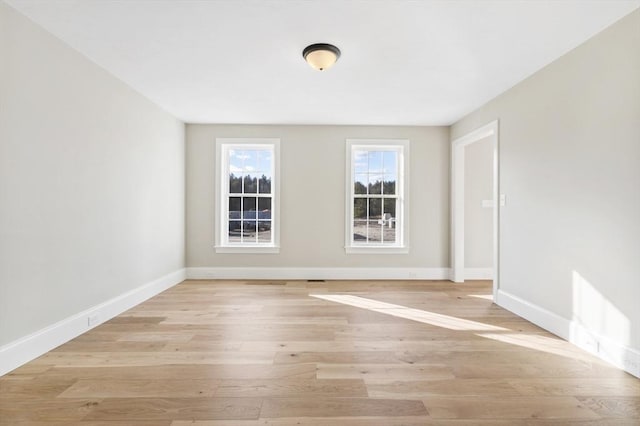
(376, 250)
(248, 249)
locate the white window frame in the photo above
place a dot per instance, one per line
(222, 244)
(401, 146)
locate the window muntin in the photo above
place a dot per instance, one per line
(248, 188)
(376, 204)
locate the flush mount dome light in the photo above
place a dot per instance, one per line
(321, 55)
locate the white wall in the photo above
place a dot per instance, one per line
(91, 183)
(570, 169)
(313, 174)
(478, 220)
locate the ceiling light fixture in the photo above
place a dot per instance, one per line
(321, 55)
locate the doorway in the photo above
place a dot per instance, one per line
(488, 132)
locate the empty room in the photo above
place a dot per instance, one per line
(306, 212)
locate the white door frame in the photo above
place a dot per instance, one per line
(457, 201)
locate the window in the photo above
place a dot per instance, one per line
(376, 197)
(247, 202)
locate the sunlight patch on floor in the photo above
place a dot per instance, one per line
(426, 317)
(537, 342)
(482, 296)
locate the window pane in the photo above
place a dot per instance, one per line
(234, 231)
(264, 225)
(389, 235)
(390, 207)
(235, 239)
(264, 208)
(375, 216)
(249, 231)
(234, 208)
(264, 231)
(375, 184)
(360, 184)
(250, 184)
(250, 158)
(264, 183)
(235, 183)
(360, 161)
(235, 161)
(359, 231)
(360, 208)
(249, 204)
(264, 161)
(375, 209)
(389, 185)
(375, 162)
(390, 162)
(375, 231)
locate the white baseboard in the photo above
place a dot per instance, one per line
(23, 350)
(478, 273)
(275, 273)
(620, 355)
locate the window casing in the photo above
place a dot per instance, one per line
(247, 208)
(377, 206)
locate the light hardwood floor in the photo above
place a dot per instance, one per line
(353, 353)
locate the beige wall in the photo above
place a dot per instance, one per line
(570, 169)
(478, 220)
(91, 183)
(312, 169)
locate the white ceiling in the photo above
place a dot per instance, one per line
(403, 62)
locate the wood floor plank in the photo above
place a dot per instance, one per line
(175, 409)
(42, 385)
(365, 357)
(292, 388)
(295, 346)
(28, 370)
(209, 346)
(353, 421)
(613, 406)
(583, 422)
(465, 407)
(197, 388)
(126, 319)
(577, 387)
(385, 372)
(148, 388)
(458, 387)
(457, 345)
(150, 336)
(111, 346)
(95, 359)
(187, 372)
(29, 410)
(335, 407)
(92, 423)
(507, 368)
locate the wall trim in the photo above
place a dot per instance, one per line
(277, 273)
(621, 356)
(27, 348)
